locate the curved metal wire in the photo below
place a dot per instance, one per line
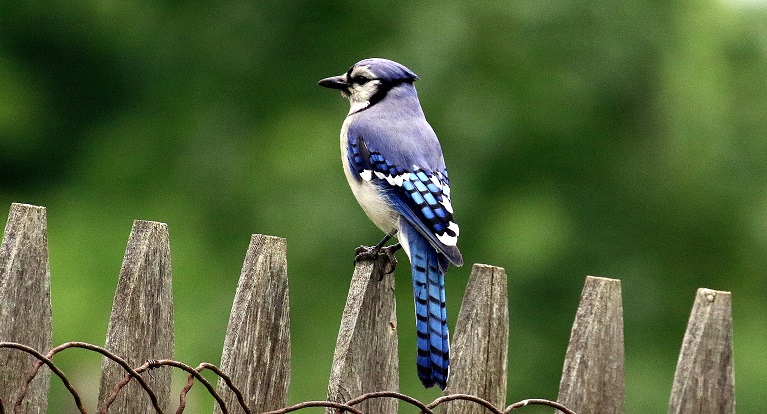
(538, 401)
(194, 373)
(306, 404)
(229, 384)
(47, 361)
(466, 397)
(392, 394)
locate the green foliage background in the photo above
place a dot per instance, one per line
(620, 139)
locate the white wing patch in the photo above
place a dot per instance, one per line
(446, 201)
(416, 189)
(447, 239)
(367, 175)
(435, 180)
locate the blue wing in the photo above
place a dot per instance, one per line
(416, 184)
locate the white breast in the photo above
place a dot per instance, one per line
(375, 206)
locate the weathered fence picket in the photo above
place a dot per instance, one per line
(141, 323)
(257, 346)
(479, 347)
(365, 358)
(25, 304)
(256, 351)
(704, 382)
(592, 377)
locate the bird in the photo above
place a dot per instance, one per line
(394, 165)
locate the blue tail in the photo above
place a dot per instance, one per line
(429, 266)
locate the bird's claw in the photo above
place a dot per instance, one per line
(382, 255)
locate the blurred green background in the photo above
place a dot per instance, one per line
(618, 139)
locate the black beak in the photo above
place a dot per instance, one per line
(334, 82)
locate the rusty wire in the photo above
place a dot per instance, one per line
(195, 373)
(42, 359)
(228, 381)
(538, 401)
(425, 408)
(379, 394)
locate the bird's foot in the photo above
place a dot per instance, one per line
(383, 255)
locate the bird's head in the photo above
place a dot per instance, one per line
(368, 81)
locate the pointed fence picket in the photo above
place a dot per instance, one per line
(256, 352)
(141, 323)
(25, 301)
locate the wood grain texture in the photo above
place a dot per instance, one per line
(365, 357)
(257, 346)
(141, 323)
(479, 347)
(25, 304)
(704, 382)
(593, 374)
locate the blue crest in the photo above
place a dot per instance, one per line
(388, 70)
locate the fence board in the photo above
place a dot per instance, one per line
(257, 346)
(25, 304)
(593, 374)
(479, 349)
(141, 323)
(705, 377)
(365, 358)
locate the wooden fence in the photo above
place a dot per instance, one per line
(256, 353)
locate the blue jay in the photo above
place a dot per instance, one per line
(393, 163)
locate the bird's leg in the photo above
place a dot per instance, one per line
(365, 252)
(380, 251)
(386, 238)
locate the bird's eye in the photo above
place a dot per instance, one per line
(360, 80)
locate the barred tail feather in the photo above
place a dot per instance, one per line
(428, 267)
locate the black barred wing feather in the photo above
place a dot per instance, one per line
(420, 195)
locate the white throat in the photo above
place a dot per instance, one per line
(357, 106)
